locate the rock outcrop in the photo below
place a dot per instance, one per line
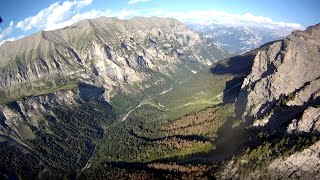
(308, 123)
(284, 76)
(279, 102)
(17, 118)
(305, 165)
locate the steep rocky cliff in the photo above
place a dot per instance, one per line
(284, 76)
(279, 104)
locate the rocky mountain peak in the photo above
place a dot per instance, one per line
(239, 39)
(279, 105)
(284, 81)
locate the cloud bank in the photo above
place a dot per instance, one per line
(7, 30)
(60, 15)
(11, 39)
(221, 17)
(137, 1)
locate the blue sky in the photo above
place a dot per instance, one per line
(25, 17)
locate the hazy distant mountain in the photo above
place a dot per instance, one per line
(239, 39)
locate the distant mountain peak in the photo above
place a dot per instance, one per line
(238, 39)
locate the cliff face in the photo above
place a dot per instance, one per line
(279, 102)
(284, 76)
(106, 52)
(19, 117)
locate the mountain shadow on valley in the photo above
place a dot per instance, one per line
(237, 65)
(88, 92)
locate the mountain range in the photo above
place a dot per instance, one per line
(107, 52)
(239, 39)
(148, 98)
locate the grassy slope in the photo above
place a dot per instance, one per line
(28, 90)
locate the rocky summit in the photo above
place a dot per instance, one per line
(285, 75)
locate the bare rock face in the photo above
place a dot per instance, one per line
(106, 52)
(304, 164)
(281, 98)
(18, 117)
(289, 67)
(309, 122)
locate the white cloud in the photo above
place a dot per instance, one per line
(268, 21)
(221, 17)
(7, 30)
(39, 20)
(124, 14)
(12, 39)
(59, 15)
(83, 3)
(78, 17)
(137, 1)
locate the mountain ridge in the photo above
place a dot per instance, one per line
(241, 38)
(81, 51)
